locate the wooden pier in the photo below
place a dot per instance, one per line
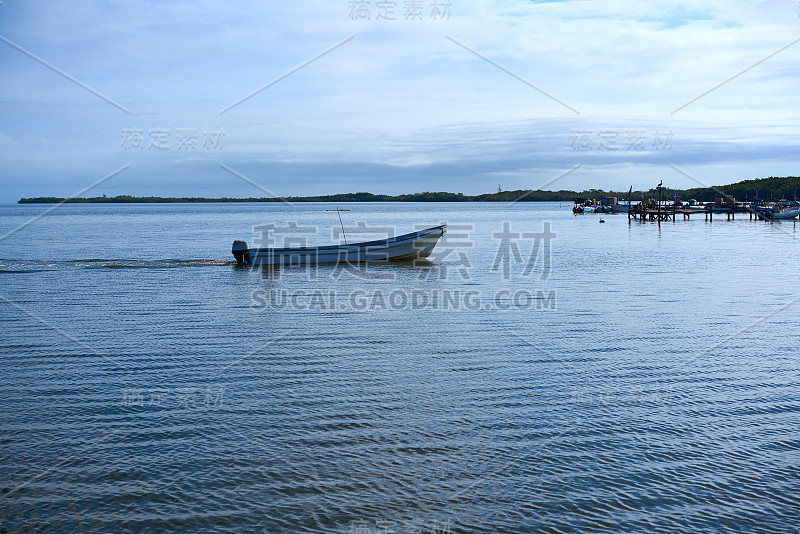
(649, 214)
(671, 212)
(660, 209)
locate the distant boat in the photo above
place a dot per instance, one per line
(705, 208)
(583, 205)
(616, 207)
(620, 208)
(697, 208)
(405, 247)
(782, 214)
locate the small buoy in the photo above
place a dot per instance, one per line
(602, 221)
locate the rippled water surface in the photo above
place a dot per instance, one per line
(634, 378)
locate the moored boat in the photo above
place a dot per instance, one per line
(405, 247)
(615, 206)
(590, 205)
(620, 208)
(705, 208)
(779, 212)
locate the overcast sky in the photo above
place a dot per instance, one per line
(456, 96)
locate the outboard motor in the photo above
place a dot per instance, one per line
(241, 251)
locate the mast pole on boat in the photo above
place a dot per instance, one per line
(339, 213)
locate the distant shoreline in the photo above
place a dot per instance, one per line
(765, 188)
(353, 197)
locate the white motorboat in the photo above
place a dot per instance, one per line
(405, 247)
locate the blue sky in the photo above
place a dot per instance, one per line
(505, 93)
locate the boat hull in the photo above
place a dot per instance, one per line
(411, 246)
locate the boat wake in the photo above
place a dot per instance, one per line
(34, 266)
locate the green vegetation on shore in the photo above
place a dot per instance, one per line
(766, 188)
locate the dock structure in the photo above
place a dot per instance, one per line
(661, 213)
(671, 212)
(658, 210)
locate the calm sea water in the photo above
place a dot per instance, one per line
(633, 377)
